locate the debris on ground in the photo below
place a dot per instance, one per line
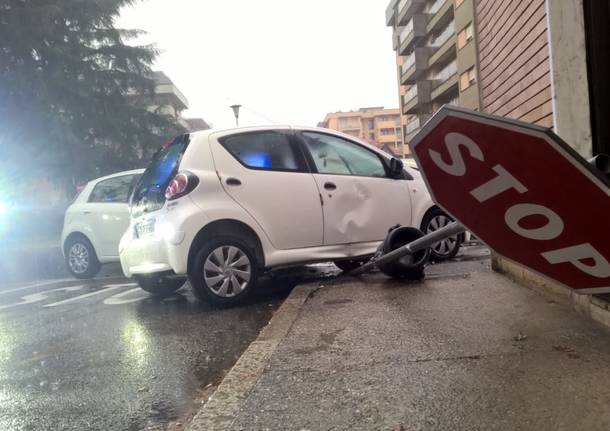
(520, 337)
(565, 349)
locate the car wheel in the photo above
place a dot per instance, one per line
(349, 265)
(224, 272)
(447, 248)
(81, 258)
(159, 285)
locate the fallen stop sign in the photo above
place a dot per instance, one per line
(522, 191)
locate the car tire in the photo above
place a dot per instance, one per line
(349, 265)
(81, 259)
(447, 248)
(224, 272)
(159, 285)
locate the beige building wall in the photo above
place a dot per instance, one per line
(378, 126)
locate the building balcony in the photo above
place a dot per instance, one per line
(412, 32)
(416, 97)
(350, 129)
(444, 80)
(390, 13)
(441, 12)
(415, 65)
(444, 87)
(413, 127)
(443, 45)
(408, 8)
(387, 124)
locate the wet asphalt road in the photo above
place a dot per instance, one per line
(104, 355)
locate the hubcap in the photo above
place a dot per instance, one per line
(78, 258)
(445, 246)
(227, 271)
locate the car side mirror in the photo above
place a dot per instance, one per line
(396, 168)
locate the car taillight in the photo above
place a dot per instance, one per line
(180, 185)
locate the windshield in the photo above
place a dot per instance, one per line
(149, 192)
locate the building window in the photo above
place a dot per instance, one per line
(467, 79)
(465, 36)
(458, 3)
(371, 124)
(386, 131)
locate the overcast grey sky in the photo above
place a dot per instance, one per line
(287, 60)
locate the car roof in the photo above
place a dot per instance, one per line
(208, 132)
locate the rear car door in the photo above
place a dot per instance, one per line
(266, 174)
(107, 212)
(360, 201)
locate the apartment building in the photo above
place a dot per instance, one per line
(436, 57)
(376, 125)
(169, 100)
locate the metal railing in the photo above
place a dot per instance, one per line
(434, 6)
(410, 94)
(406, 31)
(444, 74)
(412, 126)
(447, 33)
(408, 62)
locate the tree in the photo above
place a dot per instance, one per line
(74, 97)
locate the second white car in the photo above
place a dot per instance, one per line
(95, 222)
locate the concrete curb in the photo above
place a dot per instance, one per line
(589, 305)
(219, 412)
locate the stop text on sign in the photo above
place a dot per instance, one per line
(583, 256)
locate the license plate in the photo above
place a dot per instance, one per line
(145, 228)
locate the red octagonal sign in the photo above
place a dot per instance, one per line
(523, 192)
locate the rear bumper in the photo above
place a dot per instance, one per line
(167, 247)
(141, 256)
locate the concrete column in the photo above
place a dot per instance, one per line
(569, 74)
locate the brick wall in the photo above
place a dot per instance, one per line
(514, 61)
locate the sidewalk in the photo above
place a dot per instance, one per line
(470, 351)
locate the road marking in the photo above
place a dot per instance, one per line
(116, 299)
(40, 296)
(106, 288)
(30, 286)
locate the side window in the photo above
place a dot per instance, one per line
(113, 190)
(333, 155)
(263, 150)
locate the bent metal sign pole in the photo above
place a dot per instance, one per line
(522, 191)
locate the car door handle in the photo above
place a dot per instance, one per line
(233, 181)
(86, 212)
(330, 186)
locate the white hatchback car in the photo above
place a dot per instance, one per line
(220, 207)
(95, 222)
